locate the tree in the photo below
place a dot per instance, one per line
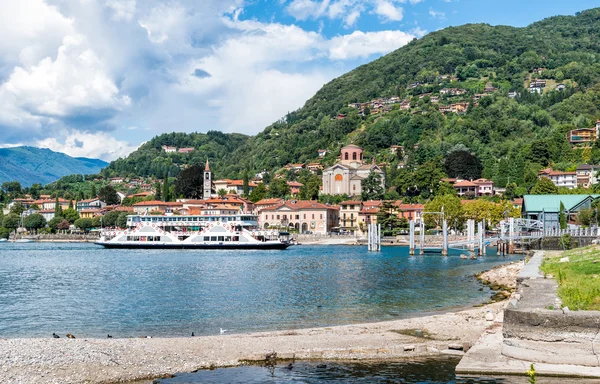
(189, 182)
(57, 209)
(34, 222)
(110, 219)
(388, 217)
(122, 220)
(11, 221)
(246, 184)
(70, 215)
(461, 163)
(34, 191)
(17, 208)
(371, 187)
(453, 211)
(63, 225)
(84, 224)
(157, 191)
(562, 217)
(279, 188)
(94, 193)
(310, 188)
(258, 193)
(511, 191)
(221, 192)
(544, 186)
(165, 191)
(445, 189)
(109, 195)
(53, 223)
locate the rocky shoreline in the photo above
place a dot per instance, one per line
(121, 360)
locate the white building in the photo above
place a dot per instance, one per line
(587, 175)
(559, 178)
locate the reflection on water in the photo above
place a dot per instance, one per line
(414, 371)
(91, 291)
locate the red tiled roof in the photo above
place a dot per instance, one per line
(269, 201)
(350, 202)
(464, 183)
(302, 204)
(482, 181)
(294, 184)
(158, 203)
(410, 207)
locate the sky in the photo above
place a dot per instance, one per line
(97, 78)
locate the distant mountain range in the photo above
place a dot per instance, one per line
(29, 165)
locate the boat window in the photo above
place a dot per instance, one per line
(206, 238)
(228, 238)
(213, 238)
(221, 238)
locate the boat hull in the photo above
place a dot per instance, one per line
(252, 246)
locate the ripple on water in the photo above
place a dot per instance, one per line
(88, 290)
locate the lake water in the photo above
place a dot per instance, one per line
(90, 291)
(415, 371)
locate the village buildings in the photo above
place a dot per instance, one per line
(345, 177)
(585, 136)
(301, 215)
(559, 178)
(587, 175)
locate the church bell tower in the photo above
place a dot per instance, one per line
(207, 182)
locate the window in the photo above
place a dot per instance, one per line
(338, 177)
(346, 156)
(305, 216)
(277, 217)
(313, 215)
(354, 156)
(321, 216)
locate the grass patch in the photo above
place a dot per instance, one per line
(578, 279)
(420, 333)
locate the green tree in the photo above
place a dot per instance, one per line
(108, 195)
(544, 186)
(258, 193)
(246, 182)
(122, 220)
(165, 192)
(34, 222)
(310, 188)
(189, 182)
(445, 189)
(511, 191)
(11, 222)
(388, 217)
(157, 191)
(452, 208)
(110, 219)
(70, 215)
(17, 208)
(57, 209)
(84, 224)
(53, 223)
(562, 217)
(94, 194)
(279, 188)
(461, 163)
(371, 187)
(221, 192)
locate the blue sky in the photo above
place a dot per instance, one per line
(97, 78)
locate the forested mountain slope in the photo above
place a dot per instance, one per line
(511, 137)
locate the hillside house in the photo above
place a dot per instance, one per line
(186, 150)
(322, 152)
(587, 175)
(90, 204)
(559, 178)
(169, 149)
(466, 187)
(584, 135)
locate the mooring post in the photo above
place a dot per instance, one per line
(379, 237)
(411, 237)
(480, 238)
(511, 231)
(483, 238)
(444, 238)
(422, 237)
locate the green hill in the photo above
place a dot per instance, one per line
(29, 165)
(511, 137)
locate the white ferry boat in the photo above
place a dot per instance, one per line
(236, 231)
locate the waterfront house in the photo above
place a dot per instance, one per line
(409, 211)
(301, 215)
(266, 203)
(90, 204)
(146, 207)
(349, 211)
(47, 213)
(89, 213)
(546, 208)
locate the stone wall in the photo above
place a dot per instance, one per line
(536, 329)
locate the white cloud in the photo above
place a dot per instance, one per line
(305, 9)
(164, 22)
(75, 81)
(388, 11)
(416, 1)
(437, 15)
(123, 9)
(85, 144)
(361, 44)
(30, 30)
(418, 32)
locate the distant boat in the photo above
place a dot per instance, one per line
(3, 240)
(23, 241)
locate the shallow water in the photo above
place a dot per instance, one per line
(90, 291)
(415, 371)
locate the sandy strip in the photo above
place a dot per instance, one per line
(119, 360)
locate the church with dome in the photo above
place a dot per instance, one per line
(344, 177)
